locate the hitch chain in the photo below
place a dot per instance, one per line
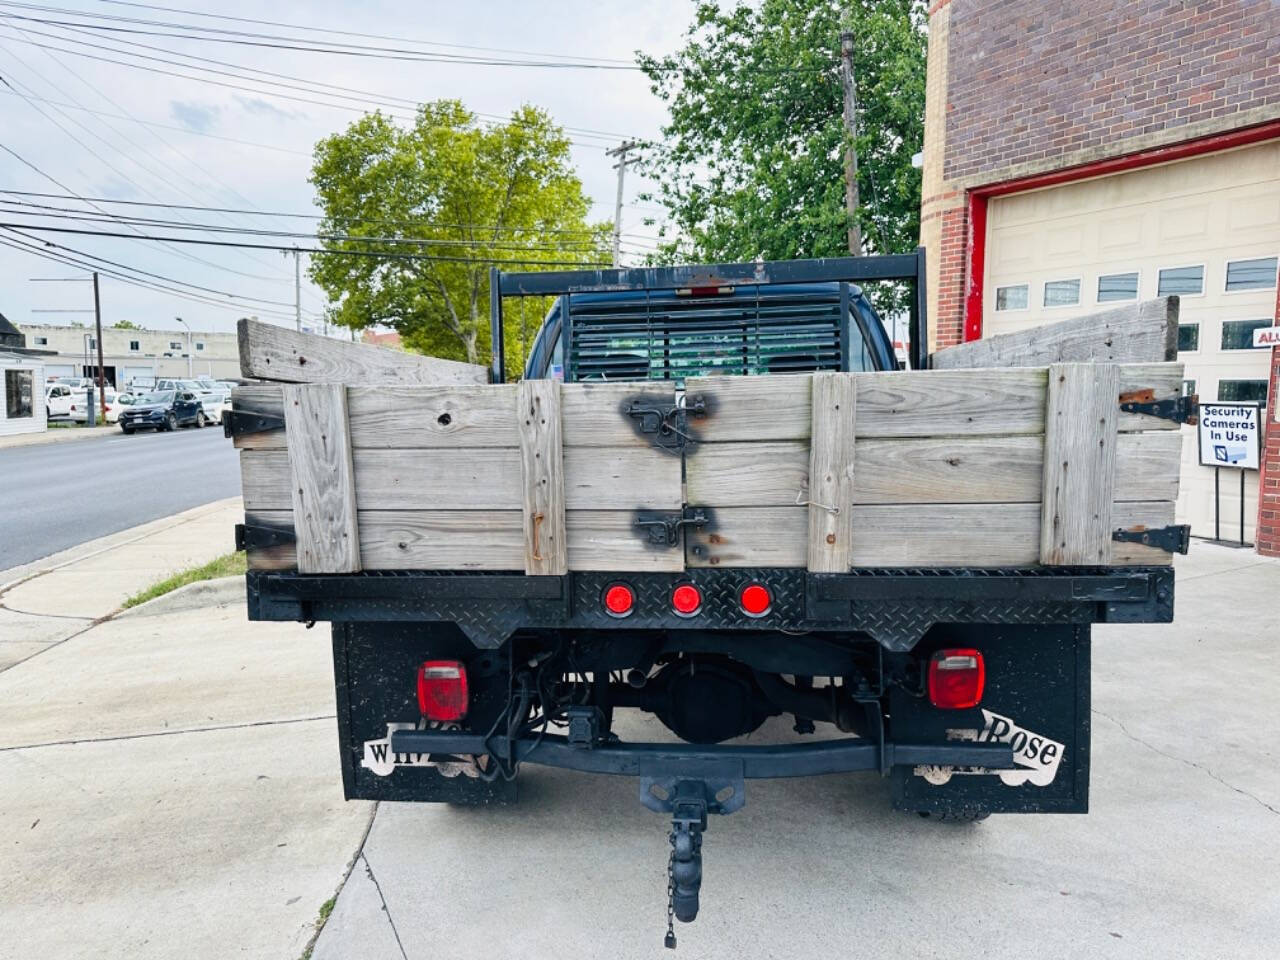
(684, 866)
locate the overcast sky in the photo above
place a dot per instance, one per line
(187, 152)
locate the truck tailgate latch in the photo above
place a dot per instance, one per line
(666, 423)
(664, 529)
(1175, 539)
(1179, 410)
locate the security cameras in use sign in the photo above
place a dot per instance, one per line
(1230, 435)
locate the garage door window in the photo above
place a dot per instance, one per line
(18, 387)
(1238, 334)
(1188, 337)
(1182, 281)
(1251, 274)
(1246, 391)
(1117, 286)
(1062, 293)
(1012, 298)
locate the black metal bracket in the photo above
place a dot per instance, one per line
(260, 538)
(237, 423)
(1180, 410)
(1175, 539)
(664, 529)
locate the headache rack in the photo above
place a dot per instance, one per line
(733, 318)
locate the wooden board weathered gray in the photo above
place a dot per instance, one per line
(546, 548)
(1079, 463)
(268, 352)
(831, 473)
(323, 488)
(1145, 332)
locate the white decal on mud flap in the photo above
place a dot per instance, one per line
(382, 761)
(1036, 755)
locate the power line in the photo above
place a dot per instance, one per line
(288, 249)
(305, 216)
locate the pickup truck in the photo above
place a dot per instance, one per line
(714, 498)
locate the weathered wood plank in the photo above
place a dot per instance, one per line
(831, 473)
(594, 413)
(1148, 466)
(537, 415)
(1145, 332)
(435, 418)
(480, 540)
(262, 398)
(323, 487)
(1079, 463)
(268, 352)
(1164, 380)
(895, 403)
(977, 534)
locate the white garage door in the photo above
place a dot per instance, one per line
(1207, 229)
(54, 370)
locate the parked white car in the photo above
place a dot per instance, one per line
(108, 407)
(57, 400)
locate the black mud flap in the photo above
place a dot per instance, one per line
(1036, 699)
(375, 668)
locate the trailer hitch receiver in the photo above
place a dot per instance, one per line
(689, 795)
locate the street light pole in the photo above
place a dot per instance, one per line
(97, 318)
(185, 324)
(620, 151)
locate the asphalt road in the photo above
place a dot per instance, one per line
(56, 495)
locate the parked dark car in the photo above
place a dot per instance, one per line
(163, 410)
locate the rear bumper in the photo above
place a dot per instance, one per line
(894, 606)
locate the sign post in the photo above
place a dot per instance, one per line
(1230, 436)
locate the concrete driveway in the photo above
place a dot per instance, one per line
(1176, 860)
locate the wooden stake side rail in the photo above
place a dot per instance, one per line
(914, 468)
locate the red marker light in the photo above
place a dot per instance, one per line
(956, 678)
(619, 600)
(755, 600)
(686, 599)
(442, 690)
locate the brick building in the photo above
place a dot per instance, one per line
(1080, 155)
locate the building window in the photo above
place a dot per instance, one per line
(1245, 391)
(1251, 274)
(1118, 286)
(93, 343)
(1012, 298)
(1188, 388)
(1183, 281)
(1238, 334)
(1188, 337)
(1061, 293)
(175, 345)
(42, 341)
(199, 345)
(135, 346)
(18, 387)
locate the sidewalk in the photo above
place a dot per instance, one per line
(169, 784)
(57, 435)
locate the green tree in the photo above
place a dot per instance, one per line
(752, 158)
(439, 202)
(125, 325)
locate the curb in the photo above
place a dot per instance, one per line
(193, 596)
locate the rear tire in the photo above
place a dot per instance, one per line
(170, 422)
(126, 430)
(200, 421)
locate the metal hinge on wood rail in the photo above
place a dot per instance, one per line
(664, 528)
(237, 423)
(250, 537)
(667, 423)
(1176, 539)
(1180, 410)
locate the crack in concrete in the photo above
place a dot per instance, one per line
(38, 615)
(1219, 573)
(1190, 763)
(167, 733)
(385, 909)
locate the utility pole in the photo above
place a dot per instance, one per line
(189, 358)
(97, 321)
(850, 152)
(620, 151)
(297, 289)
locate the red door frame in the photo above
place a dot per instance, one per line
(976, 252)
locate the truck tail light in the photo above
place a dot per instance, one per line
(956, 678)
(619, 600)
(442, 690)
(686, 599)
(755, 600)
